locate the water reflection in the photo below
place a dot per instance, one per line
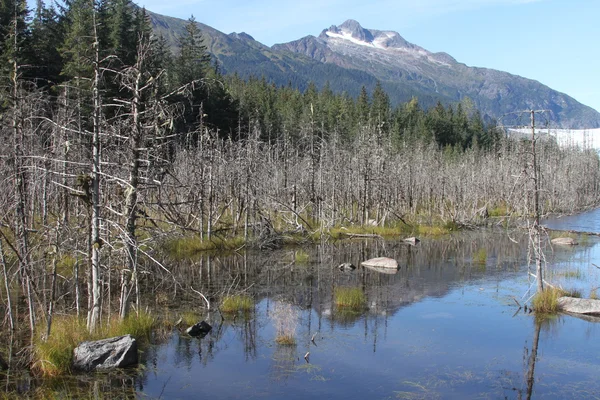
(443, 326)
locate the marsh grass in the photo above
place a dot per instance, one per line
(573, 274)
(561, 234)
(189, 246)
(237, 303)
(285, 320)
(349, 298)
(53, 357)
(480, 257)
(546, 301)
(594, 294)
(301, 257)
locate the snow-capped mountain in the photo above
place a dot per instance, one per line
(349, 56)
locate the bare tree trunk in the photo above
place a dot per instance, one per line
(95, 222)
(6, 287)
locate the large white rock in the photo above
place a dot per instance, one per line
(579, 306)
(117, 352)
(382, 264)
(564, 241)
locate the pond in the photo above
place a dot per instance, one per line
(446, 325)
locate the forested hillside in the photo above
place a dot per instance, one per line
(114, 146)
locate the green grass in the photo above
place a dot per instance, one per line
(349, 298)
(561, 234)
(500, 210)
(577, 274)
(546, 301)
(237, 303)
(301, 257)
(188, 246)
(480, 257)
(53, 357)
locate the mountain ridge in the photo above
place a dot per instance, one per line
(349, 56)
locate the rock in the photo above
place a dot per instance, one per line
(579, 306)
(346, 267)
(564, 241)
(382, 264)
(412, 240)
(117, 352)
(200, 329)
(3, 364)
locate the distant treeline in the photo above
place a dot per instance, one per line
(55, 52)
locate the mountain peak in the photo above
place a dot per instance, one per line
(352, 31)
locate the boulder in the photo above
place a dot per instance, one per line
(346, 267)
(117, 352)
(200, 329)
(579, 306)
(382, 264)
(564, 241)
(412, 240)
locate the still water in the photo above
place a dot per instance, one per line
(445, 326)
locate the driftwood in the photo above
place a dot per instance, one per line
(362, 235)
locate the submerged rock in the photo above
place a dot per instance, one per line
(117, 352)
(564, 241)
(346, 267)
(382, 264)
(200, 329)
(579, 306)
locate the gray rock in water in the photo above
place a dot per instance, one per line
(117, 352)
(412, 240)
(579, 306)
(381, 262)
(200, 329)
(346, 267)
(564, 241)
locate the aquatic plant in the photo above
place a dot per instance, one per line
(546, 301)
(237, 303)
(594, 294)
(480, 256)
(349, 298)
(285, 319)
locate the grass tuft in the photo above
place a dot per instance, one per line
(350, 298)
(301, 257)
(480, 256)
(546, 301)
(237, 303)
(285, 319)
(54, 356)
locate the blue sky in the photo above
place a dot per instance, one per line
(556, 42)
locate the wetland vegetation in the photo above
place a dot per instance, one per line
(137, 191)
